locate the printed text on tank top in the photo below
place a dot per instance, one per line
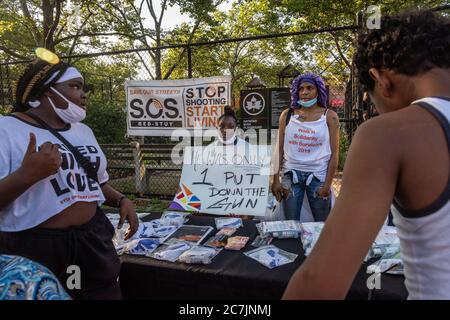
(308, 117)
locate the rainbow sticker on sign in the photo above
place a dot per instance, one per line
(185, 200)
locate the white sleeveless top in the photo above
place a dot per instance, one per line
(307, 146)
(425, 234)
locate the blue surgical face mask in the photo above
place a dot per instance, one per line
(307, 104)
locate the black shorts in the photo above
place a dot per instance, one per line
(88, 246)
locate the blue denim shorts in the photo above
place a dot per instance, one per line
(320, 206)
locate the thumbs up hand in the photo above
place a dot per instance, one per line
(38, 165)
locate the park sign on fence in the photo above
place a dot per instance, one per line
(262, 107)
(158, 107)
(224, 179)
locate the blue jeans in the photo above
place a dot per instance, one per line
(320, 207)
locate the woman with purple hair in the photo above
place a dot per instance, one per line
(308, 148)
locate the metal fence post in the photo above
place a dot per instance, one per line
(189, 52)
(139, 169)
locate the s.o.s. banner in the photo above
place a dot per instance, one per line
(158, 107)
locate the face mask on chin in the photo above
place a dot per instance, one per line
(72, 114)
(307, 104)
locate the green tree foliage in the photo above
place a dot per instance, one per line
(107, 120)
(240, 60)
(82, 26)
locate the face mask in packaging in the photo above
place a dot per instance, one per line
(143, 247)
(228, 223)
(171, 252)
(310, 233)
(145, 230)
(173, 218)
(198, 255)
(164, 231)
(261, 241)
(119, 236)
(226, 231)
(217, 241)
(386, 242)
(279, 229)
(271, 256)
(391, 262)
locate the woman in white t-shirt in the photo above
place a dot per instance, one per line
(50, 202)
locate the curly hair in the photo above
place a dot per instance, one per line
(409, 43)
(31, 84)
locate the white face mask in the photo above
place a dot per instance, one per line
(229, 140)
(73, 114)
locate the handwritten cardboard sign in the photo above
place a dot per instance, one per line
(225, 180)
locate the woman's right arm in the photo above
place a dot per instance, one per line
(36, 165)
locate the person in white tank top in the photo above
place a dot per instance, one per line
(402, 157)
(308, 150)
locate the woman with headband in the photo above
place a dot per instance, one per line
(53, 180)
(308, 149)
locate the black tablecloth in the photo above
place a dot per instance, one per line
(231, 275)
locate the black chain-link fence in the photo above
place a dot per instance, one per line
(143, 165)
(143, 169)
(146, 168)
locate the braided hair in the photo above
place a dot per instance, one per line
(228, 112)
(31, 84)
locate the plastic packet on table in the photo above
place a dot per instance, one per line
(280, 229)
(173, 218)
(164, 231)
(122, 247)
(171, 252)
(199, 255)
(285, 234)
(226, 231)
(155, 223)
(259, 229)
(145, 230)
(143, 247)
(220, 239)
(113, 218)
(380, 250)
(385, 241)
(119, 235)
(217, 241)
(387, 236)
(262, 241)
(391, 262)
(228, 223)
(236, 243)
(271, 256)
(309, 234)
